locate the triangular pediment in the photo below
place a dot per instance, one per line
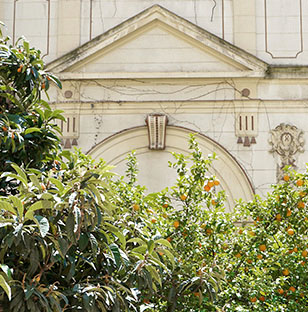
(157, 42)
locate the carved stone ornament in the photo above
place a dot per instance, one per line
(287, 141)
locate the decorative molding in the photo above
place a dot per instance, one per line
(159, 16)
(301, 33)
(48, 25)
(287, 141)
(246, 128)
(157, 131)
(70, 130)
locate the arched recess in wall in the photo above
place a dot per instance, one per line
(153, 165)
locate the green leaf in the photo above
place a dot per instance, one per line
(43, 225)
(33, 129)
(116, 254)
(6, 270)
(164, 242)
(57, 183)
(17, 203)
(8, 207)
(20, 172)
(70, 225)
(41, 204)
(151, 246)
(5, 286)
(26, 46)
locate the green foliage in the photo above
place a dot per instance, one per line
(66, 247)
(192, 218)
(28, 131)
(272, 266)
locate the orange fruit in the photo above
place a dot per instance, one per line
(281, 291)
(197, 294)
(240, 231)
(302, 295)
(303, 263)
(146, 301)
(20, 68)
(305, 253)
(289, 212)
(183, 197)
(260, 257)
(207, 188)
(165, 205)
(200, 245)
(299, 182)
(253, 299)
(209, 231)
(43, 187)
(290, 232)
(238, 255)
(176, 224)
(262, 247)
(12, 135)
(4, 128)
(286, 178)
(285, 272)
(301, 204)
(214, 202)
(216, 182)
(302, 194)
(292, 289)
(210, 184)
(249, 261)
(153, 220)
(295, 249)
(262, 298)
(136, 207)
(169, 239)
(43, 85)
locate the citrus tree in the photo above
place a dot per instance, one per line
(192, 217)
(266, 263)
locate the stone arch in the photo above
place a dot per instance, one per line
(154, 164)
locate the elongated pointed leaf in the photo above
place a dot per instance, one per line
(8, 207)
(5, 286)
(43, 225)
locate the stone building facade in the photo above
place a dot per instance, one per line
(143, 74)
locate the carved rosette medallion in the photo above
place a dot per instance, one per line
(287, 141)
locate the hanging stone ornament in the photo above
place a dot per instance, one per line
(287, 141)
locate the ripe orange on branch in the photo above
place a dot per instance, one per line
(176, 224)
(262, 247)
(290, 232)
(299, 182)
(286, 178)
(285, 272)
(183, 197)
(207, 188)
